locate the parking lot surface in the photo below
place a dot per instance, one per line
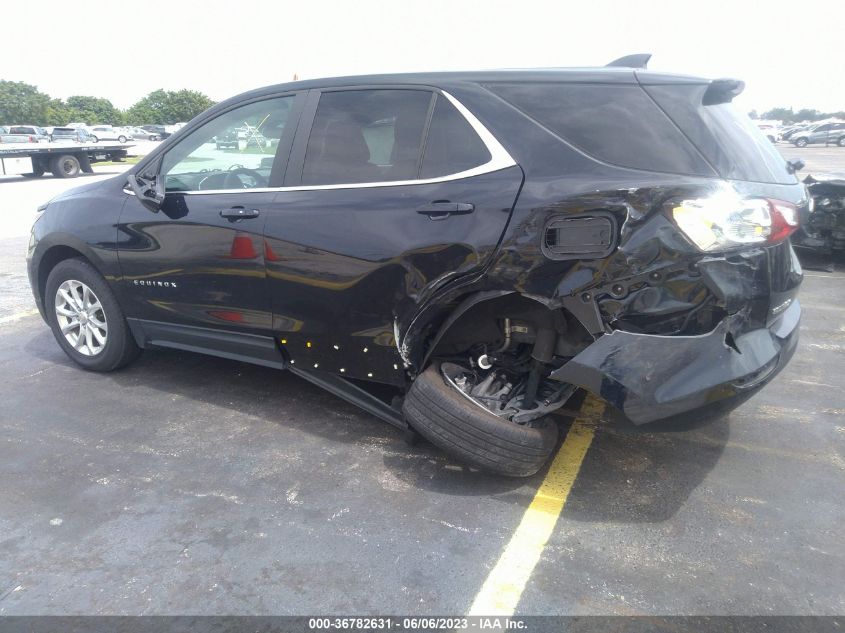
(188, 484)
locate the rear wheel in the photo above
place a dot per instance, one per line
(451, 407)
(121, 139)
(841, 142)
(94, 139)
(65, 166)
(85, 317)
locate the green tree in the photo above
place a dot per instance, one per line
(168, 107)
(93, 110)
(57, 113)
(22, 103)
(779, 114)
(808, 114)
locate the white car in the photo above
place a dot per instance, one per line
(108, 133)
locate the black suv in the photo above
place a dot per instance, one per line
(484, 243)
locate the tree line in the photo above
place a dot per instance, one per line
(23, 103)
(788, 115)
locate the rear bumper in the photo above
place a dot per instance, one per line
(650, 377)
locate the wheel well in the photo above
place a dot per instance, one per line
(50, 259)
(482, 322)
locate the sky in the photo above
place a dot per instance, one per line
(782, 50)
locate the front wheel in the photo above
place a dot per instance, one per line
(94, 139)
(801, 142)
(841, 142)
(121, 139)
(439, 411)
(86, 318)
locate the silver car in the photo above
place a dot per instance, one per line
(34, 133)
(830, 133)
(108, 133)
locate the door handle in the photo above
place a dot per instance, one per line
(442, 209)
(239, 213)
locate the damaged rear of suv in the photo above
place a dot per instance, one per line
(485, 243)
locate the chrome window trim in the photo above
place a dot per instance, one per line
(499, 159)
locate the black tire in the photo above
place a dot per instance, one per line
(801, 142)
(120, 347)
(449, 420)
(841, 142)
(65, 166)
(94, 139)
(121, 139)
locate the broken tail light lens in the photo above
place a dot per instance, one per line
(726, 222)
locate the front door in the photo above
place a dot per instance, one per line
(199, 261)
(392, 194)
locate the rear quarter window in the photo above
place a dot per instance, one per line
(617, 124)
(724, 134)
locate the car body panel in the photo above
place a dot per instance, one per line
(189, 265)
(346, 265)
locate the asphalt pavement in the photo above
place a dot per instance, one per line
(187, 484)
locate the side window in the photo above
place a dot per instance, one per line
(823, 128)
(452, 145)
(615, 123)
(366, 136)
(235, 150)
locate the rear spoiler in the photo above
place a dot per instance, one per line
(637, 60)
(722, 91)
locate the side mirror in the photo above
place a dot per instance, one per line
(148, 190)
(796, 164)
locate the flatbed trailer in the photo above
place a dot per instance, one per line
(33, 160)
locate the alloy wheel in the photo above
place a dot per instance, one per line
(81, 318)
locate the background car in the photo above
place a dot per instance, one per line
(828, 132)
(72, 134)
(35, 133)
(108, 133)
(141, 133)
(226, 140)
(159, 130)
(769, 131)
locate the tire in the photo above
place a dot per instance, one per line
(841, 142)
(801, 142)
(121, 139)
(119, 347)
(65, 166)
(94, 139)
(446, 418)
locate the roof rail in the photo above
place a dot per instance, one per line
(637, 60)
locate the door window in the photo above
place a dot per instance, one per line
(452, 145)
(366, 136)
(235, 150)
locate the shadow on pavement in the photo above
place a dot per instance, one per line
(631, 474)
(284, 399)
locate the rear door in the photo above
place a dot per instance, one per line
(391, 193)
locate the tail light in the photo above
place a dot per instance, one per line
(32, 139)
(725, 221)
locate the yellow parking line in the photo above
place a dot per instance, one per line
(18, 316)
(504, 585)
